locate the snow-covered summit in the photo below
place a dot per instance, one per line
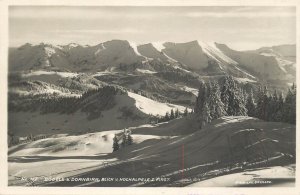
(214, 52)
(198, 56)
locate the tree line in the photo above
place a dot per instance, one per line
(168, 116)
(230, 99)
(49, 103)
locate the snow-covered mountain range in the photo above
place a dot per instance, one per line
(157, 78)
(195, 56)
(68, 103)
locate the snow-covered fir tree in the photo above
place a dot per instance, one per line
(250, 105)
(225, 92)
(290, 106)
(278, 115)
(236, 104)
(262, 103)
(201, 98)
(205, 115)
(215, 104)
(272, 106)
(242, 111)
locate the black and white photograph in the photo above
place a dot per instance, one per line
(151, 96)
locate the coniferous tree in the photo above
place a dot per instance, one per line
(266, 102)
(227, 95)
(208, 90)
(250, 105)
(262, 101)
(239, 107)
(244, 96)
(225, 92)
(202, 108)
(201, 98)
(278, 115)
(236, 104)
(124, 139)
(215, 104)
(172, 115)
(272, 106)
(177, 113)
(205, 116)
(167, 117)
(115, 143)
(290, 106)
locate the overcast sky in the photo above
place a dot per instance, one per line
(241, 28)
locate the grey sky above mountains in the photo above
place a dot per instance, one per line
(241, 28)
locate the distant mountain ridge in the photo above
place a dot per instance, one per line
(285, 55)
(196, 56)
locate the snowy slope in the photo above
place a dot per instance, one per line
(212, 51)
(145, 71)
(190, 89)
(204, 58)
(72, 45)
(49, 51)
(134, 47)
(252, 62)
(283, 61)
(263, 177)
(149, 106)
(42, 72)
(245, 80)
(79, 145)
(94, 112)
(159, 46)
(157, 152)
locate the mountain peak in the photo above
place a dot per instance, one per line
(222, 46)
(159, 46)
(197, 55)
(72, 45)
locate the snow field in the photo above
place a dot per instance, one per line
(149, 106)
